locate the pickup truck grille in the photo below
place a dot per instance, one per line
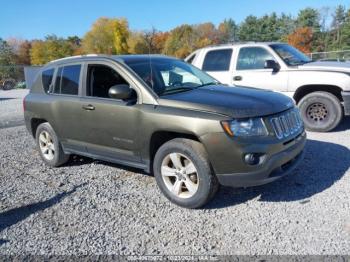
(287, 124)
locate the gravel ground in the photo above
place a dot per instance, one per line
(92, 207)
(11, 108)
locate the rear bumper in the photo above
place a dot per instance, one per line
(276, 166)
(346, 99)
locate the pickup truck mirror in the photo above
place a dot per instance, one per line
(272, 64)
(121, 91)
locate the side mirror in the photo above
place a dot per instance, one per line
(121, 91)
(272, 64)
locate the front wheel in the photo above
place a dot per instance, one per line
(183, 173)
(321, 111)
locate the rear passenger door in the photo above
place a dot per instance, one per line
(66, 105)
(218, 64)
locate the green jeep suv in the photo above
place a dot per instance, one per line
(167, 117)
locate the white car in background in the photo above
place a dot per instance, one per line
(321, 89)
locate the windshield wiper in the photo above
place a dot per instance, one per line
(177, 90)
(209, 84)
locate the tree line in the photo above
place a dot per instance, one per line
(309, 31)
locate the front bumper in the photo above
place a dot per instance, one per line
(346, 99)
(280, 160)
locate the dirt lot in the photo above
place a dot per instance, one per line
(92, 207)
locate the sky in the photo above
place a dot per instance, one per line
(35, 19)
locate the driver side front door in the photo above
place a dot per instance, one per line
(109, 127)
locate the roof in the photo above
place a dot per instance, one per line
(242, 43)
(123, 58)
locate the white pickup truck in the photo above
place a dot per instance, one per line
(321, 89)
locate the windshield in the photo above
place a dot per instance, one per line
(290, 55)
(168, 76)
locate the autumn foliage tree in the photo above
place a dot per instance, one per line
(52, 48)
(107, 36)
(307, 31)
(301, 38)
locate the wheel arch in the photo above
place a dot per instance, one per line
(34, 123)
(307, 89)
(159, 138)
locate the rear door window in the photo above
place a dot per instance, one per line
(67, 80)
(46, 78)
(217, 60)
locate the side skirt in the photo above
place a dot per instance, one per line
(123, 162)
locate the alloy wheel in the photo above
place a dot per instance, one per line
(46, 145)
(180, 175)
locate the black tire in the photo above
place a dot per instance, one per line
(195, 152)
(8, 85)
(59, 157)
(321, 111)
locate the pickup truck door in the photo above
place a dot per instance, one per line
(249, 70)
(218, 64)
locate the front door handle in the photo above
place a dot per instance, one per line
(88, 107)
(237, 78)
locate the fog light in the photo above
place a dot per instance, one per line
(253, 158)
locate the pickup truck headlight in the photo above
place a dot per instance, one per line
(245, 128)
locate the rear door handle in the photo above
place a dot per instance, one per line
(88, 107)
(237, 78)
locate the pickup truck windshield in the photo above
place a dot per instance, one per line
(290, 55)
(168, 76)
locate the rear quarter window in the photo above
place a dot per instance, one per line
(46, 78)
(217, 60)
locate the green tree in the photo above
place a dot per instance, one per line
(228, 30)
(285, 26)
(345, 32)
(309, 17)
(268, 28)
(249, 29)
(7, 68)
(339, 18)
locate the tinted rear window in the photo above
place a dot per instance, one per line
(46, 78)
(67, 80)
(217, 60)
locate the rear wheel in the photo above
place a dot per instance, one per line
(321, 111)
(49, 147)
(183, 173)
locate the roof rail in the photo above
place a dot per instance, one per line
(70, 57)
(233, 43)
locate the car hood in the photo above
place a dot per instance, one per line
(327, 66)
(236, 102)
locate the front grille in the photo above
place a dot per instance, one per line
(287, 124)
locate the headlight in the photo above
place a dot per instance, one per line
(246, 127)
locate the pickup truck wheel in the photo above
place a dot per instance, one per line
(321, 111)
(183, 173)
(49, 147)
